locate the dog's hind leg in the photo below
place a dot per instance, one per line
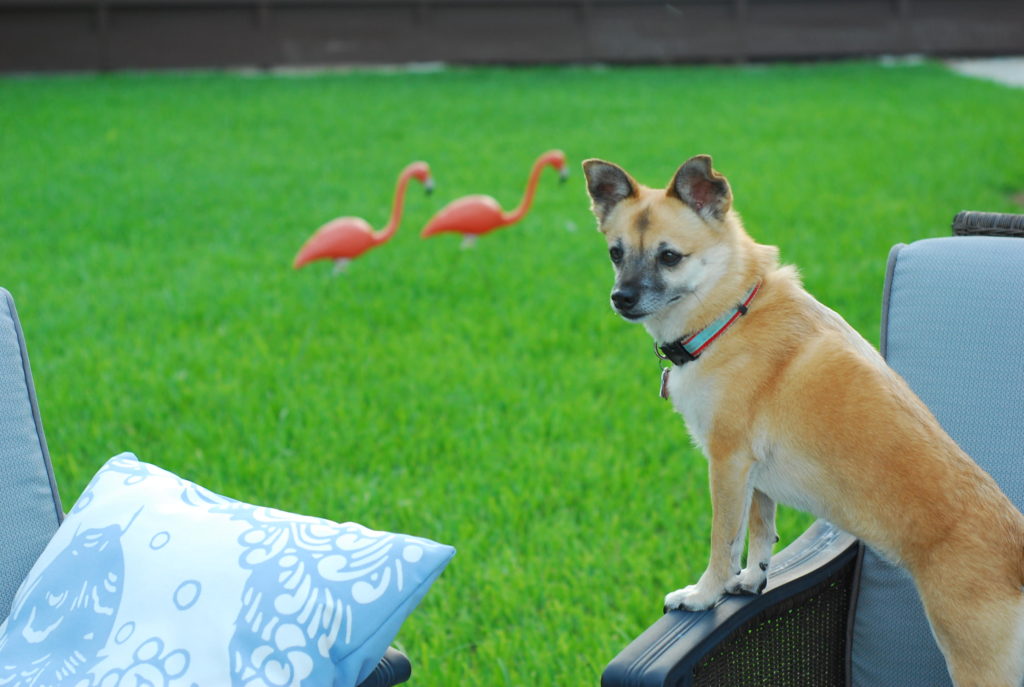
(731, 491)
(754, 577)
(978, 623)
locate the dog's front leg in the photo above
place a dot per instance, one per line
(730, 499)
(762, 539)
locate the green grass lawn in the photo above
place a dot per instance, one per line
(488, 399)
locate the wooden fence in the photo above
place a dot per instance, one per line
(43, 35)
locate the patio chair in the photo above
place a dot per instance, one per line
(30, 507)
(834, 612)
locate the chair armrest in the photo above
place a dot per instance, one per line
(971, 223)
(394, 668)
(810, 581)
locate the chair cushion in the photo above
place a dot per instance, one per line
(30, 509)
(952, 326)
(153, 578)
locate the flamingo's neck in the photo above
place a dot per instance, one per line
(396, 208)
(531, 188)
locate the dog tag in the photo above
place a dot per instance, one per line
(664, 382)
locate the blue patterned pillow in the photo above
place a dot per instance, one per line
(154, 580)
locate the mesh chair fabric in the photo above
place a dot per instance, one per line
(797, 643)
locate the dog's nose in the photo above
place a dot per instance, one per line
(625, 298)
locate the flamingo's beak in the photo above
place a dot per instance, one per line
(428, 185)
(563, 174)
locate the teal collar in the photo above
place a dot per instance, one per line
(689, 348)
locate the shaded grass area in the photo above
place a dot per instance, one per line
(488, 399)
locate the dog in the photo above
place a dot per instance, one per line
(790, 404)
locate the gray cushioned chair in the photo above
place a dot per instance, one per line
(30, 507)
(834, 613)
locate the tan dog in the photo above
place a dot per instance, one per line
(790, 404)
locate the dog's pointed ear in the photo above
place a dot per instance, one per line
(702, 188)
(608, 186)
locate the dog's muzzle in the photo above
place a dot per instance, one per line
(624, 300)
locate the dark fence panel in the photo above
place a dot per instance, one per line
(129, 34)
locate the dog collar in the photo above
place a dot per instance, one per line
(688, 348)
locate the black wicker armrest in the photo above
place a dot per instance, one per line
(970, 223)
(394, 668)
(794, 633)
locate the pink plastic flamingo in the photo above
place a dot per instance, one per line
(345, 238)
(474, 216)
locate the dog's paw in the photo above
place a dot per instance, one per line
(691, 598)
(751, 581)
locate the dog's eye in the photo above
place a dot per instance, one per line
(615, 253)
(669, 258)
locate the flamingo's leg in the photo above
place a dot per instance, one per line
(340, 265)
(468, 241)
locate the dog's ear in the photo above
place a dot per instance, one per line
(608, 186)
(702, 188)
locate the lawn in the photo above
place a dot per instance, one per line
(488, 398)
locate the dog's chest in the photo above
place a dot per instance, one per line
(697, 398)
(694, 398)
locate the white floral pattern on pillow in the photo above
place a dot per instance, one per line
(155, 580)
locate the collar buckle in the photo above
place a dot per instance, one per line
(675, 352)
